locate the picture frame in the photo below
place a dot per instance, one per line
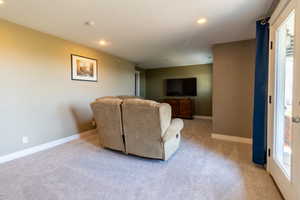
(84, 68)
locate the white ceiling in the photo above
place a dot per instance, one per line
(151, 33)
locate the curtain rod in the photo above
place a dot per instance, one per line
(263, 20)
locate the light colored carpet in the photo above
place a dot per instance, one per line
(202, 169)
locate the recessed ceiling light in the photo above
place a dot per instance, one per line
(202, 21)
(2, 2)
(102, 42)
(88, 23)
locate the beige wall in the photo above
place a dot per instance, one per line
(155, 86)
(38, 97)
(233, 83)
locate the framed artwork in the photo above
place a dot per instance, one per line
(84, 69)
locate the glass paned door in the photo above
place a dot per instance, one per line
(284, 110)
(284, 65)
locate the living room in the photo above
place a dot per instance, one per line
(149, 99)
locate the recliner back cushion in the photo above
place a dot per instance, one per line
(107, 113)
(142, 127)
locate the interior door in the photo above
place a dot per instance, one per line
(137, 83)
(284, 105)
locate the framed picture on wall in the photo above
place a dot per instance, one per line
(84, 69)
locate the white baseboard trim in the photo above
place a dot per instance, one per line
(42, 147)
(202, 117)
(231, 138)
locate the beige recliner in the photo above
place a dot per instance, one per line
(107, 114)
(149, 130)
(122, 97)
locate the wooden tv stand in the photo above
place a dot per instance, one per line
(181, 107)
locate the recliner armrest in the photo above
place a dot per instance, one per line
(175, 127)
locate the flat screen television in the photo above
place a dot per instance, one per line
(181, 87)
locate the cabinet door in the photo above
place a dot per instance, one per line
(186, 108)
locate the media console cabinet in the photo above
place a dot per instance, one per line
(181, 107)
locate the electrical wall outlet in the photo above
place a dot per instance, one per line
(25, 139)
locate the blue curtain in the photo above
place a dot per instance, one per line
(261, 93)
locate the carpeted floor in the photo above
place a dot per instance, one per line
(202, 169)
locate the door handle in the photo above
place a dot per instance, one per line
(296, 119)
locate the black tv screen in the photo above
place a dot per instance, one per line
(182, 87)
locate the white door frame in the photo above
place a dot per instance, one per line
(137, 82)
(290, 189)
